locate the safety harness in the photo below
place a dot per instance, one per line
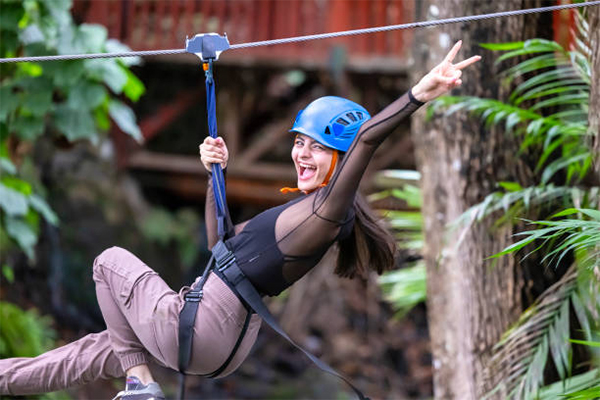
(223, 262)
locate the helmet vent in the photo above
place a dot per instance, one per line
(342, 121)
(327, 131)
(351, 116)
(360, 115)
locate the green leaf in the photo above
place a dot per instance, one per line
(570, 387)
(502, 46)
(28, 127)
(562, 100)
(510, 186)
(514, 247)
(22, 233)
(65, 73)
(90, 38)
(12, 202)
(548, 151)
(109, 72)
(594, 214)
(31, 34)
(40, 205)
(30, 69)
(553, 75)
(581, 313)
(559, 341)
(114, 46)
(8, 100)
(539, 92)
(568, 211)
(8, 273)
(87, 94)
(10, 16)
(17, 184)
(7, 166)
(134, 88)
(24, 333)
(125, 118)
(561, 163)
(101, 117)
(531, 47)
(532, 64)
(38, 102)
(74, 123)
(585, 342)
(405, 288)
(512, 120)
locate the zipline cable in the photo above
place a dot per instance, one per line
(296, 39)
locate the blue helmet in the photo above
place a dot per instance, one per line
(331, 121)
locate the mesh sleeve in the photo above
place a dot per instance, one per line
(305, 230)
(337, 197)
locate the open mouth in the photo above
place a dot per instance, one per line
(306, 171)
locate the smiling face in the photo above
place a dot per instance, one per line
(312, 161)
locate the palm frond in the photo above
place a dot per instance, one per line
(516, 201)
(579, 387)
(405, 288)
(517, 366)
(548, 109)
(570, 235)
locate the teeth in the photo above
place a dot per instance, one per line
(306, 166)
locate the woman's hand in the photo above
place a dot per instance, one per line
(213, 151)
(442, 78)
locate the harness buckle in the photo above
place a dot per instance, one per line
(226, 261)
(194, 296)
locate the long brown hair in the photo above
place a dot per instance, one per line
(369, 247)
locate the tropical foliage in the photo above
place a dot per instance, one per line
(26, 334)
(60, 101)
(406, 287)
(548, 109)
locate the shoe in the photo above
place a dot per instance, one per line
(134, 390)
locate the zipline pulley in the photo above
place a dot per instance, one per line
(207, 46)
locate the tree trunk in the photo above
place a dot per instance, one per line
(471, 300)
(594, 117)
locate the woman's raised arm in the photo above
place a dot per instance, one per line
(338, 196)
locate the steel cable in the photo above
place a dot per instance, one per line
(297, 39)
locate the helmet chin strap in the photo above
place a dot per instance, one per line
(334, 158)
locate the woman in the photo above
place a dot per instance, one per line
(335, 140)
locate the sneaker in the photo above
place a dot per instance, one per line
(134, 390)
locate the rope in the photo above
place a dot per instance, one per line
(310, 37)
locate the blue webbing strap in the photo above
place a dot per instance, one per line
(187, 316)
(218, 177)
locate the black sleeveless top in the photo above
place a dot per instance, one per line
(280, 245)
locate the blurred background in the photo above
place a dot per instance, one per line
(98, 153)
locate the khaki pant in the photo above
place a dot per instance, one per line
(142, 317)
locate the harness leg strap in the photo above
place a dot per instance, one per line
(187, 319)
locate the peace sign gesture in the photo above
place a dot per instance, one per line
(442, 78)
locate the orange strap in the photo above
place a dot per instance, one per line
(334, 158)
